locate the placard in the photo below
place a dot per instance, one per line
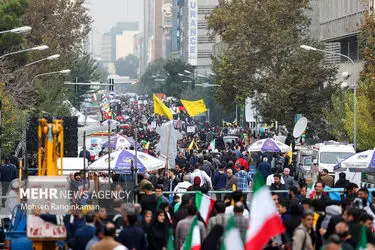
(47, 195)
(190, 129)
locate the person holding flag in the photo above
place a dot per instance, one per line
(190, 231)
(265, 222)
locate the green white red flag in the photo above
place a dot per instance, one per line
(204, 204)
(193, 240)
(265, 222)
(232, 236)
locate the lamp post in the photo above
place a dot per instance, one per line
(309, 48)
(40, 48)
(65, 71)
(50, 58)
(18, 30)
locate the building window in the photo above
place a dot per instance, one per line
(205, 39)
(205, 10)
(204, 54)
(350, 48)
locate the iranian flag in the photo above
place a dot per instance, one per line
(204, 205)
(362, 243)
(232, 236)
(265, 222)
(212, 145)
(193, 240)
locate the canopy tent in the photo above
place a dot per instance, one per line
(118, 142)
(269, 145)
(361, 162)
(121, 162)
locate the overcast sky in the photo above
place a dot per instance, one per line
(106, 13)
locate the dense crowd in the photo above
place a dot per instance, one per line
(166, 197)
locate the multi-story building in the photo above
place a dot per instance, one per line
(93, 44)
(339, 26)
(195, 42)
(106, 47)
(138, 50)
(118, 43)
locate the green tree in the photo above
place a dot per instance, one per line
(263, 59)
(127, 66)
(174, 83)
(13, 117)
(148, 84)
(83, 69)
(163, 77)
(10, 17)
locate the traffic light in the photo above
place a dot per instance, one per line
(193, 83)
(112, 83)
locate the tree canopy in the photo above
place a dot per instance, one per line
(127, 66)
(263, 60)
(163, 77)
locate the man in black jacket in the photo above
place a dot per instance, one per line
(342, 182)
(8, 173)
(181, 160)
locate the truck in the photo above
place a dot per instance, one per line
(328, 154)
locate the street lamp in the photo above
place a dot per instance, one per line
(18, 30)
(308, 48)
(40, 48)
(65, 71)
(187, 71)
(53, 57)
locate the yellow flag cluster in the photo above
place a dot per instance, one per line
(229, 124)
(161, 109)
(194, 107)
(192, 145)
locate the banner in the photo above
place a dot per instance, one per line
(193, 32)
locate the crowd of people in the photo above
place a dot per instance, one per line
(165, 204)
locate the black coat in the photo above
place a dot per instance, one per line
(342, 183)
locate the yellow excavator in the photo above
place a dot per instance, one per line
(50, 149)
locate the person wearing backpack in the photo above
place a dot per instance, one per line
(301, 236)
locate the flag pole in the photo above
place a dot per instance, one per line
(169, 140)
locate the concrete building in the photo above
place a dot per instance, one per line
(160, 30)
(93, 44)
(106, 47)
(339, 25)
(196, 45)
(138, 50)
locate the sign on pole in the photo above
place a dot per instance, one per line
(193, 32)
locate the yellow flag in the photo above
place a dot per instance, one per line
(290, 154)
(194, 107)
(191, 145)
(161, 109)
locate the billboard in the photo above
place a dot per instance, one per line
(193, 32)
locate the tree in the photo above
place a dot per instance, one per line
(13, 118)
(163, 77)
(84, 69)
(10, 17)
(62, 25)
(127, 66)
(263, 60)
(148, 85)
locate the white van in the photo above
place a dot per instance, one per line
(330, 153)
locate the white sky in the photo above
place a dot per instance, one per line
(106, 13)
